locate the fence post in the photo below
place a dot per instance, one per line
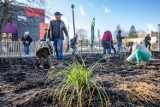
(19, 47)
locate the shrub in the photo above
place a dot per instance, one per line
(73, 86)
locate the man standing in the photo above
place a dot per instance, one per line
(56, 33)
(26, 39)
(119, 41)
(147, 41)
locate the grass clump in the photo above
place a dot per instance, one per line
(73, 87)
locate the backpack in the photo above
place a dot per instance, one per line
(107, 36)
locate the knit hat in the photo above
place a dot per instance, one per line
(26, 33)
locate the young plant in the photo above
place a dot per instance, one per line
(74, 87)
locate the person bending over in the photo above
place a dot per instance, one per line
(43, 52)
(139, 53)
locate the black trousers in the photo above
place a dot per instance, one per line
(148, 45)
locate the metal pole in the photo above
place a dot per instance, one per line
(158, 37)
(99, 37)
(72, 6)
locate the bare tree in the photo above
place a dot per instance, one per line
(82, 34)
(39, 2)
(9, 10)
(8, 14)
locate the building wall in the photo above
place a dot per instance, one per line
(139, 40)
(33, 26)
(43, 26)
(31, 22)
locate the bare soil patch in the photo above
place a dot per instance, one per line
(126, 84)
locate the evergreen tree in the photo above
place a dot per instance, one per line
(133, 32)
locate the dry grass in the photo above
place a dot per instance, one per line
(144, 91)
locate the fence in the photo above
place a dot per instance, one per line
(16, 49)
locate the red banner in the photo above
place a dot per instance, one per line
(34, 12)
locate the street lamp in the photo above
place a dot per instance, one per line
(159, 37)
(72, 6)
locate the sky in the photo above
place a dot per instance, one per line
(143, 14)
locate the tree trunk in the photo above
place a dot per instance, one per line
(3, 21)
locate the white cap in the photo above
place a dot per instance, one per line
(26, 33)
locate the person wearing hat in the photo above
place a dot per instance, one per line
(139, 53)
(56, 32)
(26, 40)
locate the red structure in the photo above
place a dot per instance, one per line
(34, 12)
(43, 26)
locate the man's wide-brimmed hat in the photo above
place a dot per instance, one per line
(58, 14)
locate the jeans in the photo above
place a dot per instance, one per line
(74, 49)
(107, 46)
(26, 50)
(119, 47)
(58, 45)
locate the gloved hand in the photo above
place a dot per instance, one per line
(128, 59)
(27, 42)
(47, 40)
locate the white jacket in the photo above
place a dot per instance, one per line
(140, 47)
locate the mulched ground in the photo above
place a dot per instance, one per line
(22, 84)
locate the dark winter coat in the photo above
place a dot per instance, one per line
(147, 39)
(26, 40)
(73, 42)
(53, 30)
(119, 38)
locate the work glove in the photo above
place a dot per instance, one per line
(47, 40)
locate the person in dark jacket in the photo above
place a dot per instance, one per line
(119, 41)
(147, 41)
(56, 33)
(106, 42)
(73, 44)
(26, 40)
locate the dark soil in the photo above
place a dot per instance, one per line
(23, 84)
